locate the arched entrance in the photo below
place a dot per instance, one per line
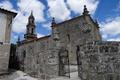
(64, 67)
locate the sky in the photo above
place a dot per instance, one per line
(106, 12)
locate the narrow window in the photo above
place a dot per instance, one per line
(111, 78)
(27, 30)
(32, 30)
(24, 54)
(106, 49)
(68, 36)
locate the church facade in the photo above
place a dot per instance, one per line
(41, 55)
(51, 55)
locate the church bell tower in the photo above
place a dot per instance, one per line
(30, 28)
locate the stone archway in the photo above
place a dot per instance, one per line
(64, 68)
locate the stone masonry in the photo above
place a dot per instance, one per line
(99, 60)
(4, 57)
(40, 57)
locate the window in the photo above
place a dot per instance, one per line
(68, 37)
(30, 49)
(106, 49)
(32, 30)
(24, 54)
(28, 30)
(111, 78)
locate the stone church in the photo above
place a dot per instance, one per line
(73, 42)
(41, 55)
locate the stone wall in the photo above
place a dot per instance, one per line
(6, 26)
(76, 31)
(40, 58)
(99, 61)
(36, 58)
(4, 57)
(3, 22)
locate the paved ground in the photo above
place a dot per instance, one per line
(73, 76)
(19, 75)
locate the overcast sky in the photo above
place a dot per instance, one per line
(107, 12)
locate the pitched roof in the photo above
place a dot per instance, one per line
(69, 20)
(8, 12)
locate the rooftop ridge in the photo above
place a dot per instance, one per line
(10, 11)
